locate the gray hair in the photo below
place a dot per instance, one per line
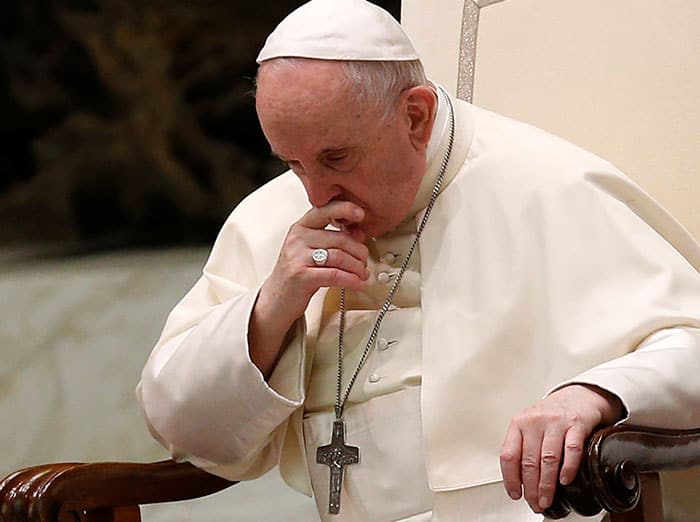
(377, 83)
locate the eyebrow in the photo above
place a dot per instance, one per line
(324, 152)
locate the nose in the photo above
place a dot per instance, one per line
(320, 192)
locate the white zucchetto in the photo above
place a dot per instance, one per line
(339, 30)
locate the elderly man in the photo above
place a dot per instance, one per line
(431, 287)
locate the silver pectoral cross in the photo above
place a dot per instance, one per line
(336, 456)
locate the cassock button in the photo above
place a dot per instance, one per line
(374, 378)
(388, 258)
(383, 277)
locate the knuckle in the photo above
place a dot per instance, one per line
(574, 447)
(340, 240)
(333, 277)
(294, 230)
(509, 457)
(575, 418)
(529, 464)
(333, 257)
(550, 458)
(530, 416)
(358, 270)
(546, 487)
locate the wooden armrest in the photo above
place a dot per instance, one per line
(617, 460)
(100, 491)
(611, 476)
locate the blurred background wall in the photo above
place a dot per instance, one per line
(129, 121)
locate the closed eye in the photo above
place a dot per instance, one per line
(333, 155)
(342, 161)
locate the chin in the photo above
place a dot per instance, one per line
(375, 228)
(388, 226)
(375, 232)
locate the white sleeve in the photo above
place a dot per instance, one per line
(658, 383)
(207, 402)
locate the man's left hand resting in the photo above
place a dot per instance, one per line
(550, 435)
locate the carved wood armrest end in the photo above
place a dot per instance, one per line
(612, 469)
(43, 493)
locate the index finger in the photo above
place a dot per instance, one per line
(319, 217)
(510, 462)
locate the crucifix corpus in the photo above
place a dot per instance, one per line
(336, 456)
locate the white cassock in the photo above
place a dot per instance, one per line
(540, 265)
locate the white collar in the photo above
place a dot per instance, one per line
(439, 127)
(435, 146)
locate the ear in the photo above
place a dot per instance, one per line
(420, 104)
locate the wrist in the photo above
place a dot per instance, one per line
(609, 405)
(268, 330)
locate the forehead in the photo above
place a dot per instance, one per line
(306, 85)
(309, 103)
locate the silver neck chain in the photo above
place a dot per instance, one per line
(340, 396)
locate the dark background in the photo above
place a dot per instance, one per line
(129, 122)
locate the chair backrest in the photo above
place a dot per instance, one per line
(618, 78)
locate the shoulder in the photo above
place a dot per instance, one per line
(279, 200)
(255, 230)
(519, 161)
(520, 174)
(269, 210)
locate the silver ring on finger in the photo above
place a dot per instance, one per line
(319, 256)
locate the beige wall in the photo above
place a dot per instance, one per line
(619, 78)
(438, 48)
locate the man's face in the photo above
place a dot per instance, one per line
(339, 150)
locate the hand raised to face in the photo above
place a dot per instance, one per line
(296, 276)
